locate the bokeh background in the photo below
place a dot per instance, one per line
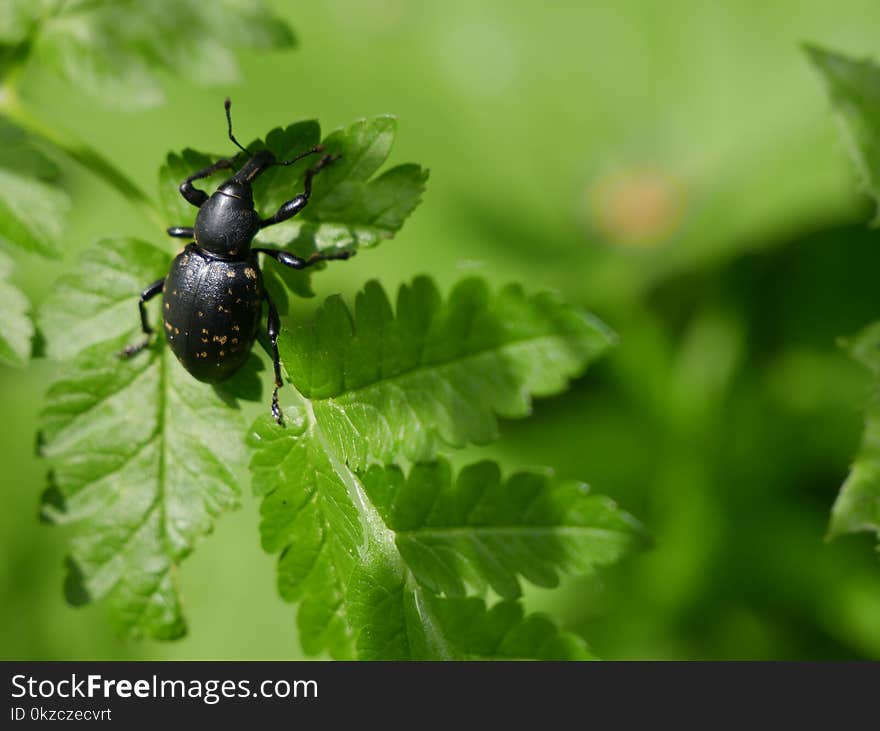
(672, 166)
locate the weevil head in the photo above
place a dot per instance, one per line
(227, 222)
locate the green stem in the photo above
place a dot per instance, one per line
(89, 158)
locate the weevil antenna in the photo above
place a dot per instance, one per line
(228, 105)
(314, 151)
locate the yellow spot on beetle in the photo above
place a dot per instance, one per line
(230, 273)
(250, 273)
(219, 339)
(200, 313)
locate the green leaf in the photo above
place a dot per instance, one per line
(384, 385)
(114, 49)
(854, 88)
(857, 508)
(16, 329)
(308, 515)
(378, 387)
(367, 584)
(348, 208)
(32, 206)
(405, 622)
(479, 525)
(143, 456)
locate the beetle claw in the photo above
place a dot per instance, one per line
(129, 350)
(324, 162)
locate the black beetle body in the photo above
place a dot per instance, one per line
(214, 290)
(211, 311)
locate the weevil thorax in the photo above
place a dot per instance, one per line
(227, 222)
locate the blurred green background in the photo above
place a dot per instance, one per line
(672, 166)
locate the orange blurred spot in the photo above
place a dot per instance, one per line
(637, 207)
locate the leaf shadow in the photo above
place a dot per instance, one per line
(52, 500)
(75, 591)
(246, 384)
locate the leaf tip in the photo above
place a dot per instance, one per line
(813, 51)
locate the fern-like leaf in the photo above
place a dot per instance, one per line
(379, 560)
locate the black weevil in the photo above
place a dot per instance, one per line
(213, 293)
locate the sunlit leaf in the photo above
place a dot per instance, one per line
(350, 207)
(143, 456)
(368, 550)
(478, 525)
(385, 383)
(309, 517)
(405, 622)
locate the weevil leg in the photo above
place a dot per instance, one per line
(295, 205)
(273, 328)
(192, 194)
(146, 296)
(181, 232)
(295, 262)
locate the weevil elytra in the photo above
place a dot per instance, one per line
(213, 293)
